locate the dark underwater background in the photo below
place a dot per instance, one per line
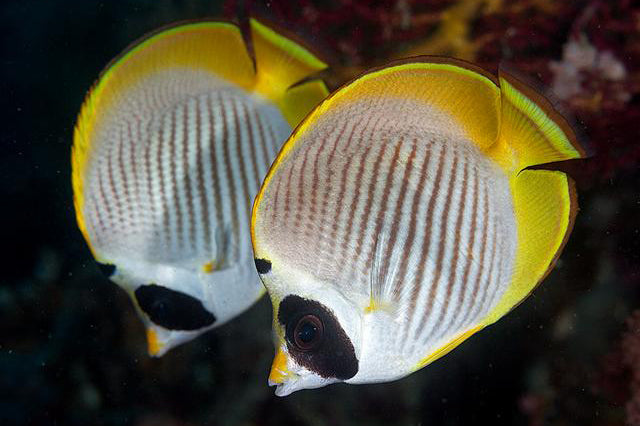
(72, 351)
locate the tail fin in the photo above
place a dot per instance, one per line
(532, 130)
(544, 201)
(281, 66)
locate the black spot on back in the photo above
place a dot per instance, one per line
(107, 269)
(172, 309)
(262, 265)
(335, 355)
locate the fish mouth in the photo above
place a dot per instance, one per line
(286, 388)
(280, 374)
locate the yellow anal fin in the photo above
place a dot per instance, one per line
(280, 63)
(532, 131)
(440, 352)
(545, 206)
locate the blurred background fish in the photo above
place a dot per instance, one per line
(170, 147)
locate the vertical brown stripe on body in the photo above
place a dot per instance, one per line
(301, 194)
(135, 148)
(163, 184)
(204, 205)
(426, 241)
(479, 283)
(112, 187)
(174, 181)
(105, 202)
(314, 191)
(411, 234)
(147, 167)
(433, 290)
(275, 143)
(252, 147)
(355, 199)
(393, 237)
(125, 181)
(263, 142)
(341, 194)
(490, 278)
(383, 208)
(328, 187)
(134, 166)
(98, 216)
(287, 195)
(456, 253)
(364, 222)
(467, 267)
(243, 168)
(213, 159)
(276, 204)
(230, 181)
(186, 177)
(495, 285)
(364, 155)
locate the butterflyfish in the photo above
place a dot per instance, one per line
(169, 150)
(403, 215)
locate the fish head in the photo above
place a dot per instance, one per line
(172, 302)
(316, 331)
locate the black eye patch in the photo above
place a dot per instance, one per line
(172, 309)
(305, 320)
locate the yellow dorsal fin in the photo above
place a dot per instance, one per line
(215, 47)
(532, 132)
(280, 64)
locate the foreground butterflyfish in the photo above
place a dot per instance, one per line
(170, 148)
(403, 215)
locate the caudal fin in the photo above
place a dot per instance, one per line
(545, 204)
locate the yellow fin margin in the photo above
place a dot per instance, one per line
(442, 351)
(545, 205)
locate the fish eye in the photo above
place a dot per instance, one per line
(307, 333)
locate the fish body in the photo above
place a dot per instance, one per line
(170, 147)
(401, 217)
